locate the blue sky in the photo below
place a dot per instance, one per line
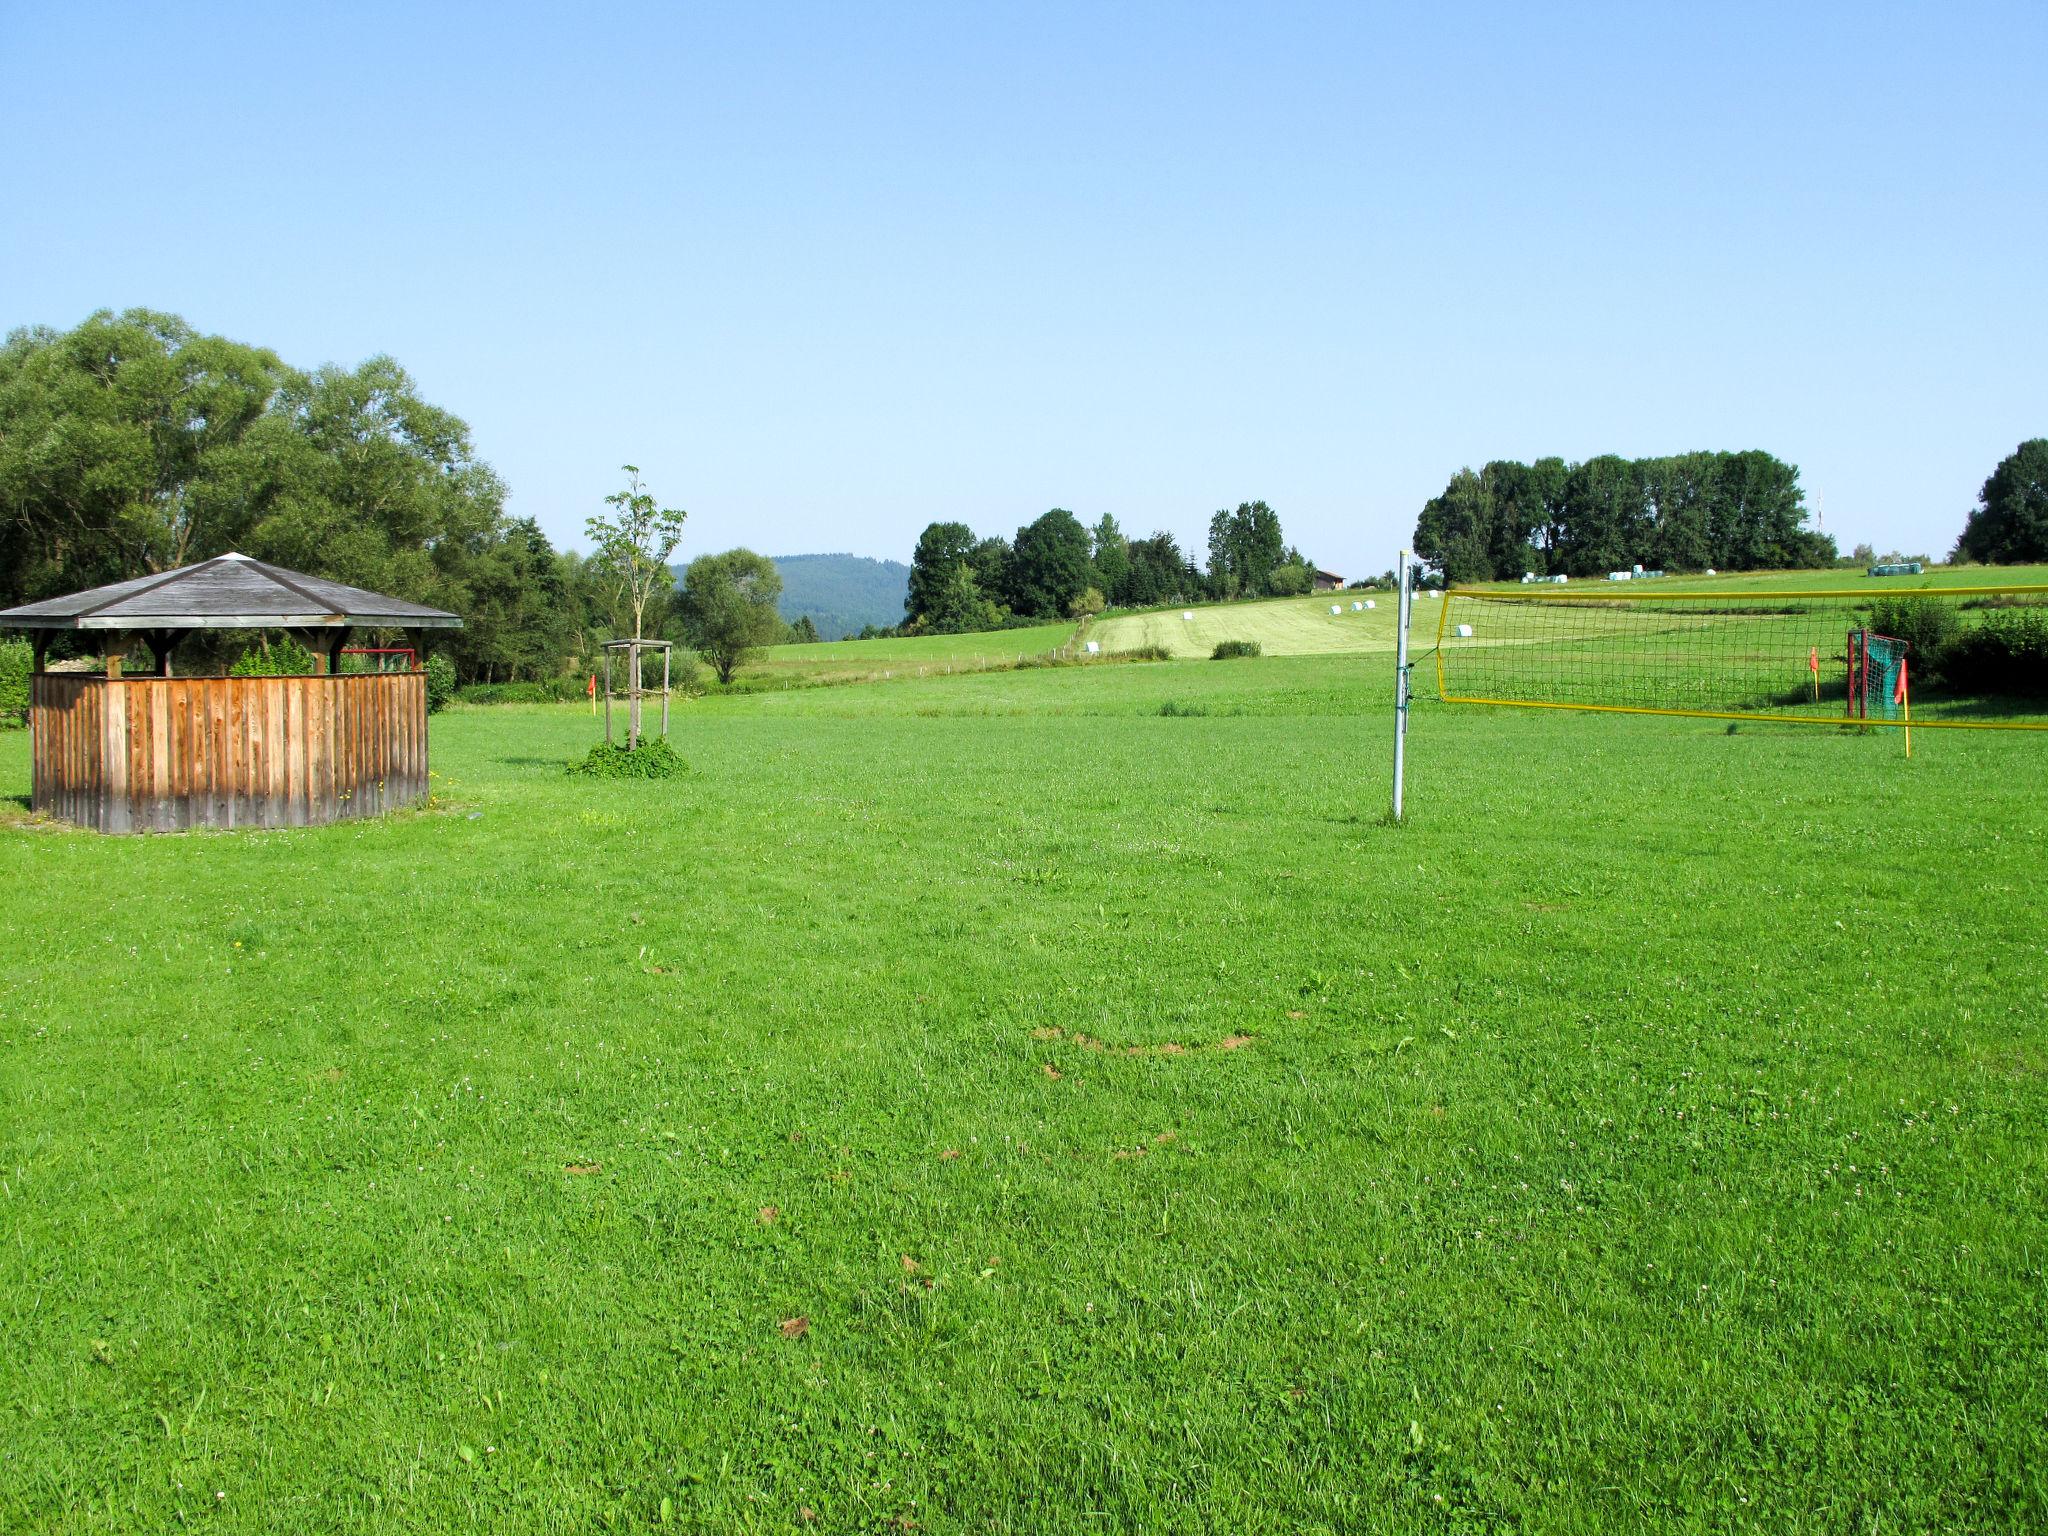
(828, 272)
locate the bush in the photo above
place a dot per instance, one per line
(508, 693)
(1087, 605)
(1140, 653)
(2007, 653)
(285, 658)
(1227, 650)
(17, 660)
(440, 682)
(1928, 628)
(654, 758)
(1290, 580)
(1173, 709)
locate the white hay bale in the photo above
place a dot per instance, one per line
(1370, 604)
(1188, 614)
(1094, 649)
(1464, 631)
(1336, 607)
(1357, 607)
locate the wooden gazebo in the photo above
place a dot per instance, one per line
(159, 752)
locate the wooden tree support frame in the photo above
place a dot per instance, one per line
(633, 651)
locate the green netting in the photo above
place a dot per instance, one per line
(1886, 656)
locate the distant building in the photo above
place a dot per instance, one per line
(1328, 581)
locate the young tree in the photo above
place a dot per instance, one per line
(803, 631)
(2010, 524)
(633, 546)
(728, 607)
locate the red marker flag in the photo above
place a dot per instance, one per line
(592, 689)
(1899, 693)
(1813, 659)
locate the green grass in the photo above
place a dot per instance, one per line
(1646, 1136)
(851, 661)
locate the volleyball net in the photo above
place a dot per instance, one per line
(1964, 656)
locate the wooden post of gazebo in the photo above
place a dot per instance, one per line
(162, 752)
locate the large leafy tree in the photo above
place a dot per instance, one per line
(991, 560)
(2010, 523)
(1050, 564)
(134, 444)
(1604, 516)
(728, 607)
(1112, 555)
(941, 549)
(1456, 533)
(1159, 572)
(1245, 544)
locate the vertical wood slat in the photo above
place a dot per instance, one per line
(154, 753)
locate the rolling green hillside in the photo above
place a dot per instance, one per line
(842, 593)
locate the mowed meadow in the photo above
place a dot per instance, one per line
(1046, 1100)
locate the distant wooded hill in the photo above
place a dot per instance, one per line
(841, 593)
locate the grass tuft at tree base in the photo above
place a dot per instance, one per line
(653, 759)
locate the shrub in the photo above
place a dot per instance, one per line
(654, 758)
(1290, 580)
(508, 693)
(1928, 628)
(1087, 605)
(1227, 650)
(2007, 653)
(285, 658)
(1173, 709)
(440, 682)
(17, 660)
(1141, 653)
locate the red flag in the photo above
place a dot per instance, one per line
(592, 689)
(1813, 659)
(1899, 693)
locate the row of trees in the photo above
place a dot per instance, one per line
(133, 444)
(1686, 512)
(1057, 568)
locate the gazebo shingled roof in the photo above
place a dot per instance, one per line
(227, 592)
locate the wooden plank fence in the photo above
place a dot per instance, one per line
(160, 754)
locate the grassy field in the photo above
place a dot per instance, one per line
(1283, 626)
(989, 1103)
(1844, 580)
(858, 661)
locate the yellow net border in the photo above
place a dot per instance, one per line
(1843, 602)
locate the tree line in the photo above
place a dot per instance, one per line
(133, 444)
(1056, 568)
(1685, 512)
